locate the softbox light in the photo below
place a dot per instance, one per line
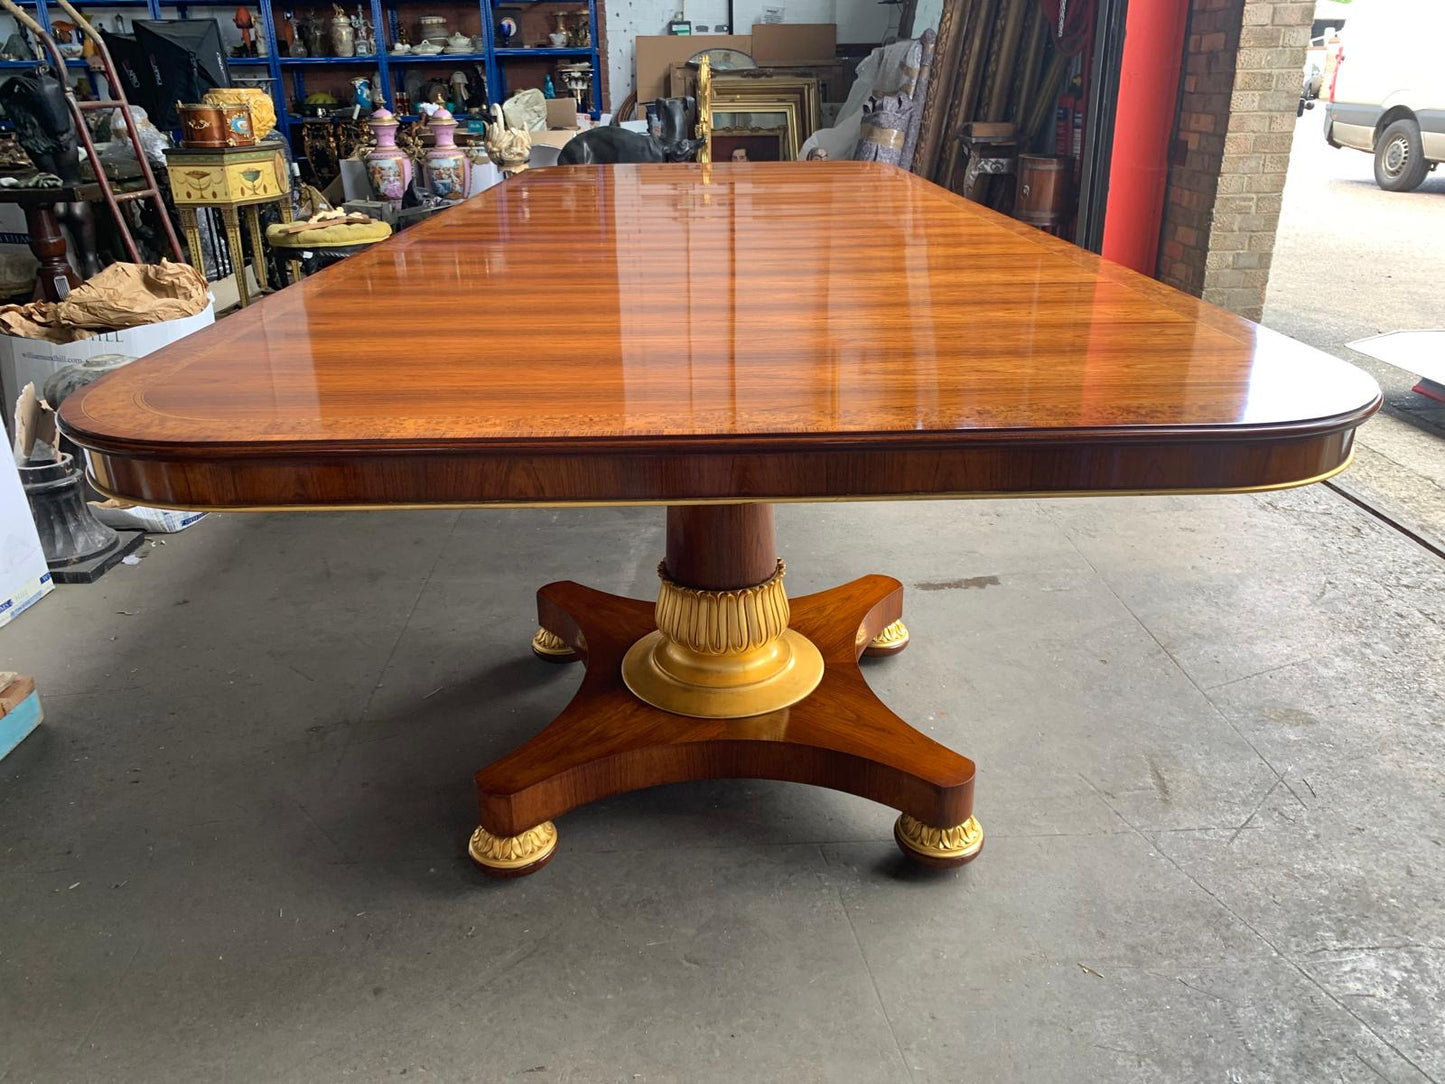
(185, 58)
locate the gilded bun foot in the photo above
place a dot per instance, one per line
(551, 648)
(940, 848)
(513, 856)
(890, 641)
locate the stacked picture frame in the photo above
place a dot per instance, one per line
(767, 117)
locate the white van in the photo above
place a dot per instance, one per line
(1387, 92)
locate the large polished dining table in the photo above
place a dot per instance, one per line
(716, 339)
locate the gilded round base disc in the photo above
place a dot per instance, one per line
(940, 848)
(513, 856)
(651, 685)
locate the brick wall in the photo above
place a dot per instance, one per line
(1237, 101)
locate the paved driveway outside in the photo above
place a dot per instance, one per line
(1350, 261)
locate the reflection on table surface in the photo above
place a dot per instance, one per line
(769, 298)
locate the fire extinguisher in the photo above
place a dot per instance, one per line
(1064, 122)
(1069, 128)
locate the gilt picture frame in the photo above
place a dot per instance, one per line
(749, 88)
(758, 144)
(760, 114)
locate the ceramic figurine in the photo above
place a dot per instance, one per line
(447, 165)
(361, 94)
(362, 29)
(343, 34)
(285, 34)
(461, 92)
(549, 89)
(387, 165)
(245, 23)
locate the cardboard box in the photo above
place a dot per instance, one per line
(24, 576)
(562, 112)
(554, 137)
(794, 43)
(656, 53)
(19, 710)
(23, 361)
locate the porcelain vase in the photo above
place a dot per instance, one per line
(447, 165)
(387, 165)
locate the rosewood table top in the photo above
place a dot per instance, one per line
(747, 332)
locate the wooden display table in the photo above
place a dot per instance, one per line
(733, 336)
(230, 178)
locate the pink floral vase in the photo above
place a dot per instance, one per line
(387, 165)
(447, 167)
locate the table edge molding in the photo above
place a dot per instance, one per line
(725, 444)
(397, 480)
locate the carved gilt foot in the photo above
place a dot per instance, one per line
(941, 848)
(513, 856)
(890, 641)
(552, 648)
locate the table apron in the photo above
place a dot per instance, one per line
(361, 479)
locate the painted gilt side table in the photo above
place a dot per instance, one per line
(232, 179)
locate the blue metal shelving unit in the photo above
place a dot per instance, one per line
(497, 65)
(384, 18)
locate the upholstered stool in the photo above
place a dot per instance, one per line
(328, 241)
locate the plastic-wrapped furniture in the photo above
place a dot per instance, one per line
(880, 120)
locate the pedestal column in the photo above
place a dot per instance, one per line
(723, 648)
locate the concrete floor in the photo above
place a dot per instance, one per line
(1209, 735)
(1350, 261)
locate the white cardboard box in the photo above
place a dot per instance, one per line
(24, 577)
(133, 517)
(23, 361)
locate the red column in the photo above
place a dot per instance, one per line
(1144, 121)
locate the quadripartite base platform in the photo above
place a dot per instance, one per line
(608, 741)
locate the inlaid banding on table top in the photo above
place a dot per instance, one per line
(686, 312)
